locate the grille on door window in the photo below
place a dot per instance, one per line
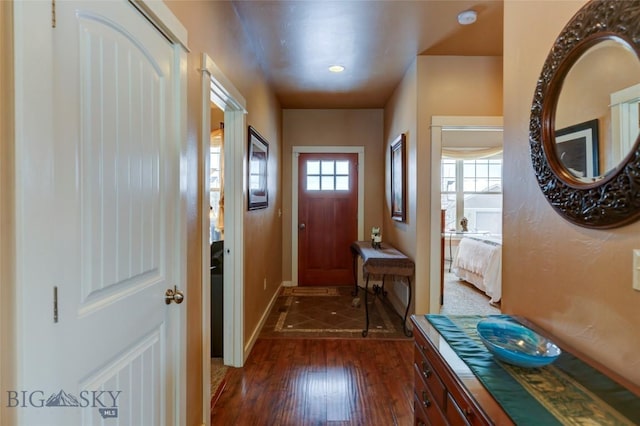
(327, 175)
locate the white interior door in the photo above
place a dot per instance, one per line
(99, 218)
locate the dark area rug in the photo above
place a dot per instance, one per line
(331, 312)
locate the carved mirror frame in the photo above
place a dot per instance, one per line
(615, 199)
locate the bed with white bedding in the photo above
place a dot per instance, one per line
(479, 262)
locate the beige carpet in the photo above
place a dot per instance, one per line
(462, 298)
(218, 371)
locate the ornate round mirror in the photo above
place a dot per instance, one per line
(585, 117)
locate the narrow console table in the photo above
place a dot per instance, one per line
(457, 382)
(382, 261)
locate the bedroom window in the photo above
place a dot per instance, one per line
(472, 188)
(214, 191)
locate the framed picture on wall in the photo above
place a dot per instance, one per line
(577, 149)
(257, 170)
(398, 179)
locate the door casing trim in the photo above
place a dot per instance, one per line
(7, 213)
(297, 150)
(218, 89)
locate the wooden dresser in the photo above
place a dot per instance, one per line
(446, 392)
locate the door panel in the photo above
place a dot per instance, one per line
(120, 148)
(131, 373)
(327, 218)
(114, 217)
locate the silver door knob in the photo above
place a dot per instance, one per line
(302, 226)
(173, 295)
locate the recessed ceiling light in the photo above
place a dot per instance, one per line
(336, 68)
(467, 17)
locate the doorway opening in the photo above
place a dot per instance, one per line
(216, 241)
(218, 91)
(466, 214)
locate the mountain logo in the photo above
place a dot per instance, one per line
(106, 401)
(62, 399)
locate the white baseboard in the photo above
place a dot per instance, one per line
(263, 319)
(396, 303)
(287, 284)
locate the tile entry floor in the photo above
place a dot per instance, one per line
(332, 316)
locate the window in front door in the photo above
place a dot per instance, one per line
(327, 175)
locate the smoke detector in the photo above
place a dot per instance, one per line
(467, 17)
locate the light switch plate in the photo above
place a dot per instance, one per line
(636, 269)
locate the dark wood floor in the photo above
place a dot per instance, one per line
(320, 382)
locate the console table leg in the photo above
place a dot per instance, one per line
(366, 308)
(407, 332)
(384, 292)
(355, 273)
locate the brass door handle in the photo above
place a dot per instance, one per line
(173, 295)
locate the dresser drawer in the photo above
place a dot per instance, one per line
(425, 402)
(457, 397)
(453, 401)
(431, 416)
(454, 413)
(429, 375)
(419, 416)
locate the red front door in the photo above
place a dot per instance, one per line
(327, 218)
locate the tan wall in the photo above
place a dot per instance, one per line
(340, 127)
(263, 228)
(401, 112)
(400, 116)
(574, 282)
(214, 29)
(434, 85)
(459, 85)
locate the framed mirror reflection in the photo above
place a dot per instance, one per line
(584, 126)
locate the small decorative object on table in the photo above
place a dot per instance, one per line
(464, 222)
(376, 238)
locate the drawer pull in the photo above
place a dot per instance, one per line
(420, 423)
(426, 371)
(423, 348)
(425, 399)
(468, 412)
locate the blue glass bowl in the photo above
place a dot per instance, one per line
(516, 344)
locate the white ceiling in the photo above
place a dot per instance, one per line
(295, 41)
